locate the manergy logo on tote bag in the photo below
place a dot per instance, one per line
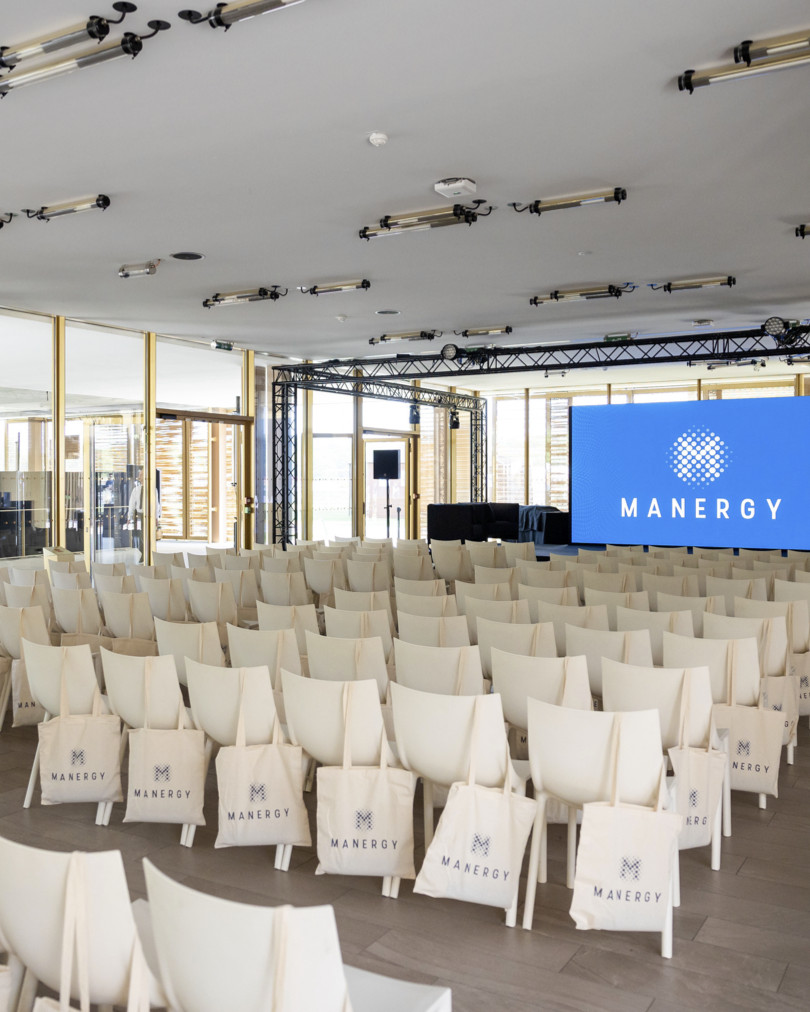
(702, 473)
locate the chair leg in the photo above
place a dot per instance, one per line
(17, 972)
(5, 692)
(763, 801)
(676, 880)
(288, 849)
(395, 880)
(28, 992)
(717, 838)
(572, 847)
(427, 802)
(790, 755)
(279, 862)
(534, 860)
(310, 777)
(32, 780)
(666, 934)
(727, 799)
(190, 831)
(100, 810)
(511, 914)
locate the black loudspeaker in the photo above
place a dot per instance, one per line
(386, 464)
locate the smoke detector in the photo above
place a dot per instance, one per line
(455, 186)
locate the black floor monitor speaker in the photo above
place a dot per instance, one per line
(386, 464)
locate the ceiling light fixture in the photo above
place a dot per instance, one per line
(617, 194)
(683, 286)
(225, 15)
(5, 218)
(336, 286)
(802, 231)
(222, 345)
(187, 256)
(410, 335)
(453, 420)
(455, 186)
(483, 331)
(45, 213)
(450, 352)
(386, 312)
(778, 45)
(784, 332)
(413, 414)
(141, 270)
(458, 214)
(95, 28)
(691, 79)
(584, 294)
(252, 295)
(702, 323)
(128, 45)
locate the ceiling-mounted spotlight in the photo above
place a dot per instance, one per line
(409, 335)
(5, 218)
(582, 294)
(418, 221)
(128, 45)
(222, 345)
(225, 15)
(141, 270)
(102, 201)
(802, 231)
(683, 286)
(691, 79)
(449, 352)
(780, 45)
(617, 194)
(453, 420)
(337, 286)
(272, 293)
(413, 414)
(784, 332)
(94, 28)
(483, 331)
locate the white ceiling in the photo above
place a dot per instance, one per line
(250, 146)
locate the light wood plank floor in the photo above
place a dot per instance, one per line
(742, 935)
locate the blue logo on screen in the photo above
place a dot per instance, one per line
(699, 456)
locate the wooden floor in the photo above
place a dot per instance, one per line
(742, 935)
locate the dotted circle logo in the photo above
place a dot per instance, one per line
(699, 456)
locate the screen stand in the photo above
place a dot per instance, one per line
(388, 507)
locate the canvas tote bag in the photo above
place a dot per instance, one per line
(799, 665)
(519, 739)
(166, 771)
(623, 879)
(364, 813)
(698, 780)
(754, 740)
(79, 754)
(261, 791)
(477, 851)
(25, 709)
(780, 693)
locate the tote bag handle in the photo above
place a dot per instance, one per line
(64, 700)
(74, 936)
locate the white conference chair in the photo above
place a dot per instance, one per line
(349, 624)
(770, 634)
(198, 640)
(560, 615)
(513, 612)
(129, 616)
(530, 639)
(699, 606)
(285, 588)
(568, 596)
(274, 649)
(486, 553)
(451, 671)
(167, 598)
(431, 631)
(617, 599)
(632, 647)
(418, 604)
(77, 611)
(298, 617)
(347, 660)
(657, 622)
(754, 589)
(427, 588)
(413, 567)
(69, 581)
(796, 615)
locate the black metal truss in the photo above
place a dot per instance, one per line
(284, 465)
(727, 346)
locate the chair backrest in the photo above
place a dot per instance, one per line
(795, 613)
(630, 647)
(717, 655)
(168, 559)
(434, 631)
(481, 591)
(697, 605)
(215, 693)
(770, 634)
(486, 553)
(77, 611)
(413, 567)
(129, 615)
(434, 735)
(614, 583)
(418, 604)
(212, 602)
(275, 649)
(238, 563)
(197, 640)
(451, 562)
(285, 563)
(532, 639)
(754, 589)
(786, 591)
(568, 596)
(200, 574)
(446, 670)
(323, 575)
(198, 935)
(531, 577)
(316, 720)
(684, 586)
(29, 577)
(70, 581)
(656, 622)
(636, 687)
(152, 572)
(559, 680)
(108, 569)
(427, 588)
(570, 753)
(420, 544)
(514, 612)
(617, 599)
(17, 624)
(167, 598)
(33, 888)
(368, 575)
(560, 615)
(347, 660)
(243, 583)
(46, 665)
(298, 617)
(22, 596)
(284, 588)
(498, 574)
(124, 676)
(517, 551)
(366, 600)
(350, 624)
(113, 584)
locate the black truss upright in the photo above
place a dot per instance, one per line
(285, 469)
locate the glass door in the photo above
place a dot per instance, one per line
(392, 457)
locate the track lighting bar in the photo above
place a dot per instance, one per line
(5, 218)
(483, 331)
(410, 335)
(225, 15)
(253, 295)
(337, 286)
(617, 194)
(779, 45)
(458, 214)
(142, 270)
(683, 286)
(128, 45)
(691, 79)
(583, 294)
(95, 28)
(102, 201)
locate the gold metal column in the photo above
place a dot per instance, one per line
(59, 518)
(526, 448)
(450, 463)
(149, 446)
(699, 389)
(249, 457)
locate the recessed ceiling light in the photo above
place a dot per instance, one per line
(702, 323)
(377, 139)
(188, 256)
(387, 312)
